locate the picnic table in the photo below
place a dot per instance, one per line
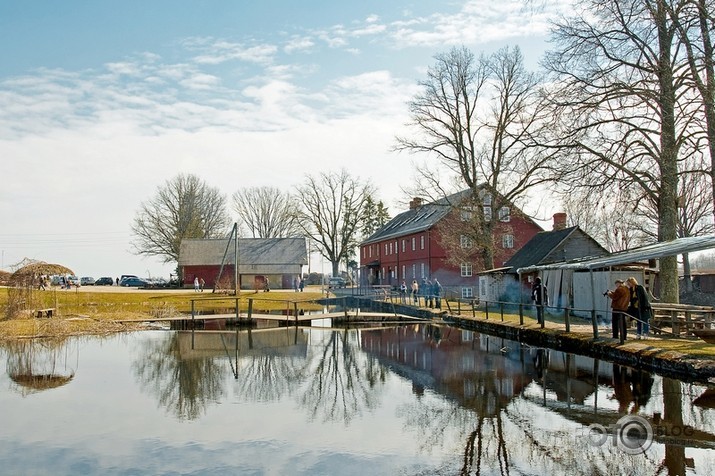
(681, 318)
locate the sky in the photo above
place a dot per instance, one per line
(102, 102)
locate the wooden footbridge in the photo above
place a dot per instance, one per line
(292, 313)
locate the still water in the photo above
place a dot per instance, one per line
(406, 400)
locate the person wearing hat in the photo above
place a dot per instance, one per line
(620, 299)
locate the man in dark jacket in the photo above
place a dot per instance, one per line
(540, 298)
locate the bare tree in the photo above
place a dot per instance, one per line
(184, 207)
(267, 212)
(479, 118)
(607, 217)
(624, 106)
(332, 207)
(695, 23)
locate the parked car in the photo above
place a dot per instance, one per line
(73, 280)
(86, 281)
(104, 281)
(133, 282)
(336, 282)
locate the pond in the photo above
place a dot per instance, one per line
(414, 399)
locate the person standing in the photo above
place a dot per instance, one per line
(437, 292)
(639, 307)
(540, 299)
(415, 290)
(620, 297)
(196, 283)
(428, 294)
(202, 284)
(403, 292)
(302, 284)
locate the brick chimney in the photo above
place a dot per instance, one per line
(559, 221)
(415, 203)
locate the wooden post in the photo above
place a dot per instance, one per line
(192, 312)
(501, 310)
(250, 309)
(594, 323)
(521, 314)
(486, 309)
(237, 313)
(567, 320)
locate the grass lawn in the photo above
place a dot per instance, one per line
(81, 311)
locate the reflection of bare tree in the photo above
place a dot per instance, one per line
(183, 386)
(40, 364)
(267, 377)
(338, 388)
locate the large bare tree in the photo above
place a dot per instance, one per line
(624, 108)
(267, 212)
(184, 207)
(478, 117)
(333, 205)
(695, 23)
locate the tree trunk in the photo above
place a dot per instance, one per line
(668, 199)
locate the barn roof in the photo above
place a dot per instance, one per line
(643, 253)
(257, 251)
(537, 250)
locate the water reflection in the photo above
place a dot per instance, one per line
(183, 385)
(40, 364)
(410, 399)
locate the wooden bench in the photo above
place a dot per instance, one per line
(45, 312)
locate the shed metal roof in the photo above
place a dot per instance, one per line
(256, 251)
(643, 253)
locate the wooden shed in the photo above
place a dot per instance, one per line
(275, 262)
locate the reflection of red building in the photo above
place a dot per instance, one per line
(411, 246)
(474, 369)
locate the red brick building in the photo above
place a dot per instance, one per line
(412, 246)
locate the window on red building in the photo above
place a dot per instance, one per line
(507, 241)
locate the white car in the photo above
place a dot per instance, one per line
(86, 281)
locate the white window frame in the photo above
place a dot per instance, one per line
(465, 270)
(467, 292)
(414, 242)
(422, 242)
(422, 270)
(487, 213)
(465, 241)
(504, 214)
(507, 241)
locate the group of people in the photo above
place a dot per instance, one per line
(298, 284)
(199, 284)
(629, 300)
(430, 291)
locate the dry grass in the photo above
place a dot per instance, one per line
(78, 312)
